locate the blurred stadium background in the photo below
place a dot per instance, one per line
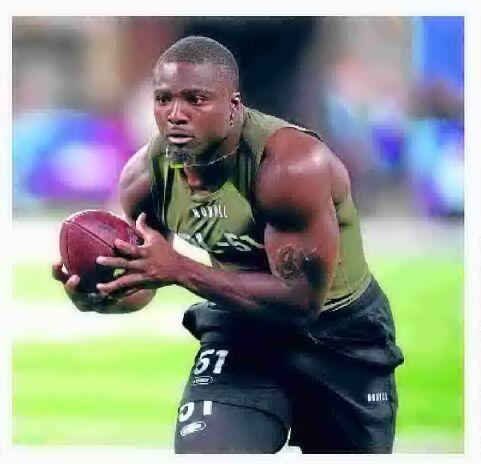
(386, 93)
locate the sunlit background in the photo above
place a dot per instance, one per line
(387, 94)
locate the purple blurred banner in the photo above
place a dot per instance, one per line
(67, 156)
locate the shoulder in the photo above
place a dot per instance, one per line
(299, 171)
(297, 144)
(137, 164)
(290, 146)
(138, 167)
(134, 183)
(136, 171)
(257, 129)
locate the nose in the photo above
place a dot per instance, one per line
(176, 116)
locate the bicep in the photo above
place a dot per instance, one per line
(295, 195)
(305, 256)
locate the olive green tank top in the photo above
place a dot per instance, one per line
(225, 224)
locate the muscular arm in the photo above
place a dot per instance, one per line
(134, 189)
(135, 198)
(294, 192)
(134, 186)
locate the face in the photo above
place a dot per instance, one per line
(193, 107)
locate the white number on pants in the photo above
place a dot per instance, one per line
(203, 361)
(187, 409)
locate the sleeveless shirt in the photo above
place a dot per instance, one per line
(225, 222)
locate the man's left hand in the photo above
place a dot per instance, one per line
(151, 265)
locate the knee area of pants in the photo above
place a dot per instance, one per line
(209, 427)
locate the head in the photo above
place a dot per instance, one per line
(196, 99)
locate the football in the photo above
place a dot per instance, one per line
(88, 234)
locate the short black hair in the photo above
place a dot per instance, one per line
(198, 49)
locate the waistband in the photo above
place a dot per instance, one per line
(369, 294)
(338, 303)
(208, 322)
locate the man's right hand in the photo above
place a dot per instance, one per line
(83, 301)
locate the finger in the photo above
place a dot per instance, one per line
(116, 263)
(127, 248)
(94, 301)
(98, 299)
(142, 227)
(72, 283)
(131, 291)
(58, 272)
(123, 283)
(123, 293)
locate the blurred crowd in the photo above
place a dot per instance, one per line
(387, 94)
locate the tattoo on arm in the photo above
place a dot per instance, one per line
(289, 262)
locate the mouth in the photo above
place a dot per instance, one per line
(179, 138)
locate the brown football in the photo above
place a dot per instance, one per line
(88, 234)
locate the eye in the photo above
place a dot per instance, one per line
(162, 99)
(197, 100)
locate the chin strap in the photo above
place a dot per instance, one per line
(209, 163)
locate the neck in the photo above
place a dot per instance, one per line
(211, 176)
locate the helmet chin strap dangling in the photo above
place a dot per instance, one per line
(179, 159)
(210, 163)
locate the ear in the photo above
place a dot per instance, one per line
(235, 100)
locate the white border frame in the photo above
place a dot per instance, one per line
(472, 384)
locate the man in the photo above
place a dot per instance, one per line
(295, 335)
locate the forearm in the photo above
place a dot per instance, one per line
(258, 293)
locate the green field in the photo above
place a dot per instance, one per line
(124, 390)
